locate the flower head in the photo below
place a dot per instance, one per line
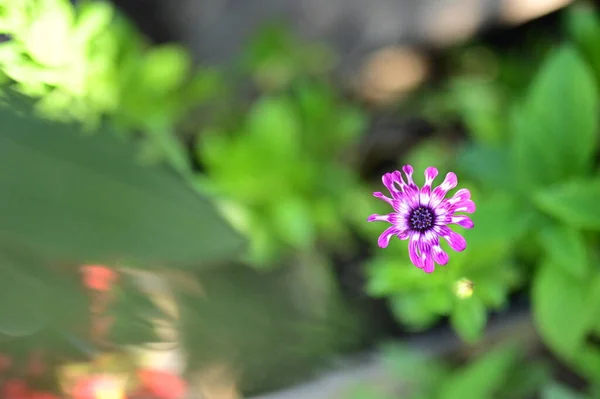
(423, 215)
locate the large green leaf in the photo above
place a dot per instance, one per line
(574, 203)
(561, 104)
(559, 301)
(566, 248)
(23, 301)
(83, 198)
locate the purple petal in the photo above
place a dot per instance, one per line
(440, 191)
(410, 189)
(427, 257)
(413, 251)
(403, 234)
(439, 255)
(384, 238)
(461, 220)
(381, 196)
(455, 240)
(466, 206)
(402, 208)
(408, 171)
(461, 195)
(433, 247)
(389, 181)
(425, 192)
(391, 218)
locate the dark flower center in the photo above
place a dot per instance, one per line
(421, 219)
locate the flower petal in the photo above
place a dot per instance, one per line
(425, 192)
(410, 189)
(381, 196)
(426, 257)
(389, 181)
(391, 218)
(434, 248)
(461, 195)
(384, 238)
(461, 220)
(455, 240)
(402, 208)
(439, 255)
(466, 206)
(403, 234)
(414, 250)
(440, 191)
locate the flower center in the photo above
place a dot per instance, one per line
(421, 219)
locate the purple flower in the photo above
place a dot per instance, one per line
(423, 215)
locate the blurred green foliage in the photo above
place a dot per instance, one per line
(281, 170)
(87, 63)
(279, 167)
(502, 372)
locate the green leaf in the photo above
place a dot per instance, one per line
(410, 310)
(560, 300)
(23, 301)
(84, 199)
(587, 361)
(293, 222)
(583, 25)
(566, 248)
(527, 381)
(482, 378)
(558, 391)
(561, 103)
(468, 318)
(164, 69)
(492, 292)
(92, 18)
(574, 203)
(499, 222)
(274, 127)
(482, 109)
(488, 166)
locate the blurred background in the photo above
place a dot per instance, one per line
(184, 188)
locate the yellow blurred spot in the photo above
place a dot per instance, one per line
(110, 393)
(463, 288)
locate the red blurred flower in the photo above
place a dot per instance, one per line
(14, 389)
(162, 384)
(98, 277)
(42, 395)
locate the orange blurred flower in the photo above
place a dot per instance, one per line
(98, 277)
(161, 384)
